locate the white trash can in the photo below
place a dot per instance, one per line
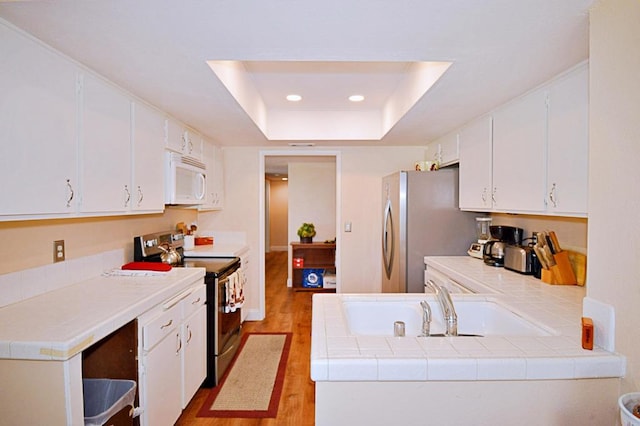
(626, 403)
(105, 397)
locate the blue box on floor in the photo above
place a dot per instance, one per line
(312, 278)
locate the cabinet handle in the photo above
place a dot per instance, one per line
(493, 195)
(189, 335)
(190, 146)
(552, 194)
(71, 193)
(195, 302)
(127, 196)
(179, 340)
(184, 141)
(166, 325)
(140, 195)
(484, 196)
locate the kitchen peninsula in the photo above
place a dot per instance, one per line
(546, 379)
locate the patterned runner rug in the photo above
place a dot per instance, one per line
(253, 385)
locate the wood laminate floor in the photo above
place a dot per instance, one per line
(286, 311)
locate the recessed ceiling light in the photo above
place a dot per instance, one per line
(294, 98)
(356, 98)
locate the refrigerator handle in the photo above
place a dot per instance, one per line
(388, 240)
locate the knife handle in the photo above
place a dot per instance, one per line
(549, 243)
(556, 243)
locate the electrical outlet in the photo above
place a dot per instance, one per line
(58, 251)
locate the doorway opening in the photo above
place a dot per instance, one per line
(277, 162)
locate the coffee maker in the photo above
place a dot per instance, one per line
(482, 231)
(501, 237)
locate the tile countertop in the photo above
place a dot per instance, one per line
(62, 323)
(337, 355)
(218, 250)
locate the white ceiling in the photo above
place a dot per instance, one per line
(158, 50)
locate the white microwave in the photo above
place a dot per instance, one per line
(185, 180)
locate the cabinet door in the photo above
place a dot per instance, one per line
(475, 165)
(148, 160)
(38, 151)
(105, 147)
(161, 382)
(218, 177)
(519, 162)
(448, 149)
(193, 147)
(174, 137)
(194, 360)
(568, 144)
(212, 157)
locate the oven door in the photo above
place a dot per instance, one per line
(228, 329)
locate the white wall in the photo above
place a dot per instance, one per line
(614, 175)
(312, 198)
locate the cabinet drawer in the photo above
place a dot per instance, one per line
(194, 301)
(160, 326)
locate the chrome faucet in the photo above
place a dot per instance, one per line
(446, 304)
(426, 318)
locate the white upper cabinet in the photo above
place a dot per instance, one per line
(38, 134)
(106, 148)
(448, 150)
(476, 161)
(182, 139)
(212, 157)
(519, 162)
(538, 149)
(148, 159)
(568, 144)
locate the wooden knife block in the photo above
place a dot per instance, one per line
(561, 273)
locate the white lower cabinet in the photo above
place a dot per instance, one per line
(194, 360)
(172, 356)
(161, 382)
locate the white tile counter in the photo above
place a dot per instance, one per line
(226, 244)
(218, 250)
(336, 355)
(62, 323)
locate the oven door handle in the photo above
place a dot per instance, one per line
(230, 348)
(174, 301)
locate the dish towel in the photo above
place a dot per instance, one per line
(234, 289)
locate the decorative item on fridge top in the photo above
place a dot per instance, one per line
(306, 232)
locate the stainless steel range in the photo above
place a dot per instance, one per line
(223, 327)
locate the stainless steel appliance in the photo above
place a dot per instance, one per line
(501, 237)
(223, 328)
(421, 218)
(519, 259)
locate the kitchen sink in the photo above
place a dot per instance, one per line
(476, 317)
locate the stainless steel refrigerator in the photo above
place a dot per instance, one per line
(421, 218)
